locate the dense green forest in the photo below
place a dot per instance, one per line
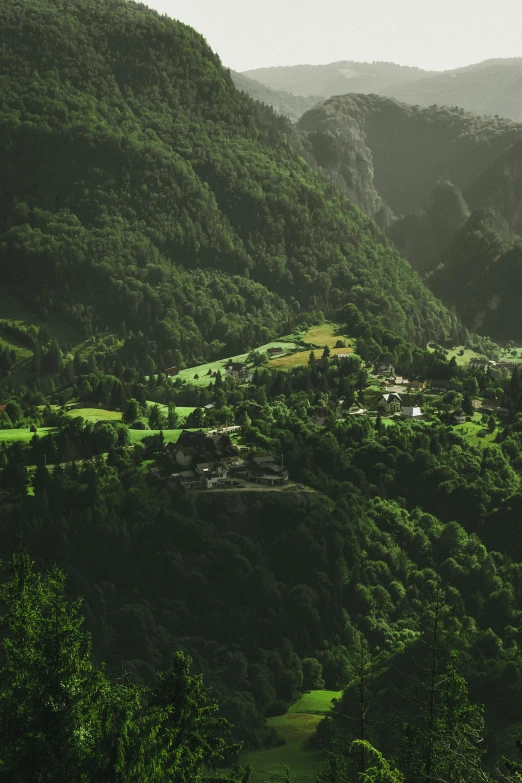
(144, 193)
(269, 593)
(403, 151)
(427, 175)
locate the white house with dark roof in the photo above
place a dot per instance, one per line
(411, 412)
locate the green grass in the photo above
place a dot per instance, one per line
(470, 430)
(24, 434)
(315, 700)
(95, 414)
(296, 728)
(461, 360)
(170, 436)
(220, 364)
(183, 411)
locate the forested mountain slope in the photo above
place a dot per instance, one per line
(402, 151)
(292, 106)
(142, 191)
(434, 166)
(336, 78)
(500, 187)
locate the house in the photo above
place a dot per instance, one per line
(266, 471)
(171, 371)
(275, 352)
(211, 473)
(479, 363)
(238, 371)
(458, 417)
(236, 465)
(417, 383)
(209, 407)
(392, 402)
(342, 355)
(411, 412)
(188, 479)
(385, 368)
(477, 404)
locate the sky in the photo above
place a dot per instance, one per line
(431, 34)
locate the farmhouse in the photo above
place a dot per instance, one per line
(171, 371)
(238, 371)
(275, 352)
(392, 402)
(266, 471)
(385, 368)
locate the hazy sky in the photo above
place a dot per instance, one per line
(432, 34)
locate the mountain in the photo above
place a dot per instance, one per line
(492, 87)
(144, 194)
(500, 187)
(336, 78)
(481, 275)
(446, 185)
(292, 106)
(383, 149)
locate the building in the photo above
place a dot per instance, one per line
(171, 371)
(392, 402)
(458, 417)
(275, 352)
(238, 371)
(411, 412)
(264, 470)
(385, 368)
(211, 473)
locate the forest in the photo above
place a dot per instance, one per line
(144, 193)
(155, 218)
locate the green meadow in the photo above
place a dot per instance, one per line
(296, 729)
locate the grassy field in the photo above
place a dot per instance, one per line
(470, 430)
(169, 436)
(95, 414)
(296, 728)
(24, 434)
(202, 369)
(183, 411)
(321, 335)
(466, 357)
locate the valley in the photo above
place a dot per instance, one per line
(260, 411)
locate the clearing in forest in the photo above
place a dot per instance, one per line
(320, 335)
(296, 728)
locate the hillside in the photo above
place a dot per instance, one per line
(378, 145)
(291, 106)
(500, 187)
(493, 87)
(336, 78)
(143, 193)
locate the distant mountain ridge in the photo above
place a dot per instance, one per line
(491, 87)
(336, 78)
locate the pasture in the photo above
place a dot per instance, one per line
(24, 434)
(320, 335)
(94, 414)
(296, 728)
